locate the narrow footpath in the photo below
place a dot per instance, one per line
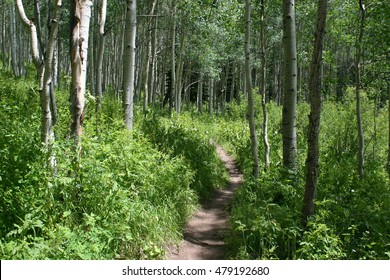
(205, 232)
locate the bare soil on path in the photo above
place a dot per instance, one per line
(205, 232)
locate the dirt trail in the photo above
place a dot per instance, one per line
(205, 232)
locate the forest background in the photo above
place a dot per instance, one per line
(107, 109)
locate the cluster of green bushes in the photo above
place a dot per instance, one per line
(183, 136)
(131, 193)
(352, 214)
(124, 198)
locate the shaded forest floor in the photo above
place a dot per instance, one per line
(205, 232)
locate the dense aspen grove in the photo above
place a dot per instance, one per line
(109, 111)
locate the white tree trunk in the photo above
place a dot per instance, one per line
(44, 70)
(15, 68)
(47, 90)
(153, 63)
(211, 93)
(179, 75)
(43, 76)
(224, 88)
(289, 86)
(34, 36)
(200, 94)
(3, 43)
(92, 50)
(37, 20)
(173, 60)
(129, 63)
(86, 9)
(80, 18)
(358, 78)
(233, 82)
(251, 109)
(147, 92)
(149, 62)
(99, 68)
(262, 86)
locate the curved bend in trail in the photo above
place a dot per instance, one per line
(205, 232)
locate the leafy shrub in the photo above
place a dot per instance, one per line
(19, 144)
(264, 220)
(319, 242)
(351, 220)
(124, 199)
(179, 136)
(127, 201)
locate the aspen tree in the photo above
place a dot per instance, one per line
(312, 169)
(12, 30)
(200, 94)
(173, 60)
(289, 133)
(179, 75)
(129, 63)
(251, 109)
(148, 91)
(99, 68)
(211, 95)
(43, 65)
(358, 78)
(79, 23)
(262, 86)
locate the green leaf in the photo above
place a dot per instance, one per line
(66, 214)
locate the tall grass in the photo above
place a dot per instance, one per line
(127, 197)
(352, 214)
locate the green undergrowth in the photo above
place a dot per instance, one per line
(127, 198)
(130, 194)
(184, 136)
(352, 214)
